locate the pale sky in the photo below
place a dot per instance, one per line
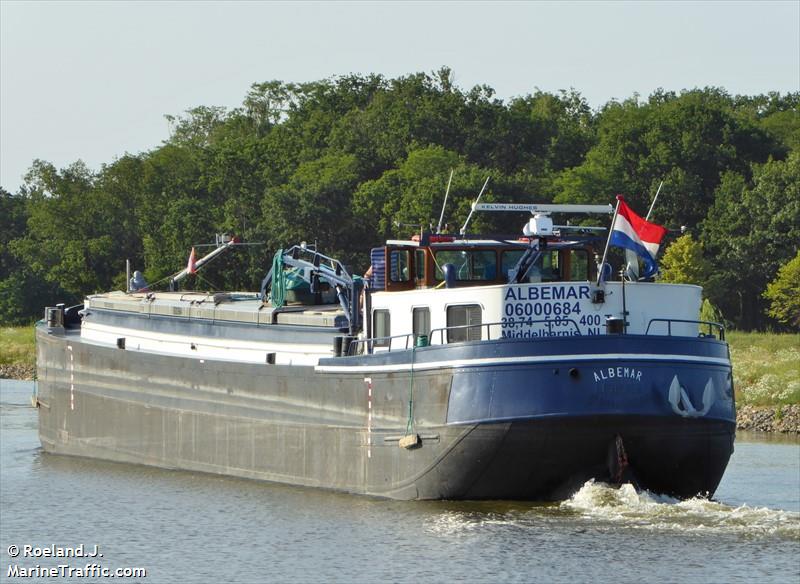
(93, 80)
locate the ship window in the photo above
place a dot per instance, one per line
(510, 259)
(399, 260)
(551, 269)
(546, 268)
(381, 327)
(470, 265)
(578, 265)
(467, 316)
(421, 321)
(419, 264)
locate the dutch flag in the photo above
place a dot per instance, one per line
(632, 232)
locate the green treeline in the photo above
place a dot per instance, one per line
(343, 161)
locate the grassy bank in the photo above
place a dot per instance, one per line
(766, 366)
(17, 346)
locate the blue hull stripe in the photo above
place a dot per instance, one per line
(493, 361)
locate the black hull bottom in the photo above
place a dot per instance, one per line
(551, 459)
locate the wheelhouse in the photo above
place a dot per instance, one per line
(419, 263)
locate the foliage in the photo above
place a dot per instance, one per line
(686, 140)
(353, 160)
(683, 262)
(752, 229)
(17, 346)
(710, 313)
(766, 367)
(784, 294)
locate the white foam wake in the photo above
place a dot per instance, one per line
(644, 510)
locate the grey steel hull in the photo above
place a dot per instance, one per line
(268, 422)
(294, 425)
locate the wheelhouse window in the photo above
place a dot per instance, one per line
(382, 327)
(421, 317)
(467, 316)
(400, 262)
(547, 267)
(471, 265)
(419, 264)
(509, 260)
(578, 265)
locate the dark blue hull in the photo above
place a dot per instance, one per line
(550, 414)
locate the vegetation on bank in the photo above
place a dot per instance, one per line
(17, 346)
(351, 161)
(766, 366)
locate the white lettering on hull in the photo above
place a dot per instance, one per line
(620, 372)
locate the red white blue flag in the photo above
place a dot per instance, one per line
(632, 232)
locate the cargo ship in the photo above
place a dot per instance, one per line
(459, 367)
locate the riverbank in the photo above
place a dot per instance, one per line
(783, 419)
(766, 370)
(23, 372)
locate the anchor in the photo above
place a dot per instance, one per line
(682, 404)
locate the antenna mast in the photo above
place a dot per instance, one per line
(653, 204)
(464, 227)
(439, 226)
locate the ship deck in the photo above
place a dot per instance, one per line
(235, 307)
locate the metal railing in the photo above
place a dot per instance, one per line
(711, 326)
(377, 342)
(466, 327)
(443, 335)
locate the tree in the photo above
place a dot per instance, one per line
(751, 231)
(710, 313)
(315, 205)
(23, 292)
(12, 225)
(688, 141)
(784, 294)
(683, 262)
(343, 160)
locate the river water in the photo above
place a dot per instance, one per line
(188, 527)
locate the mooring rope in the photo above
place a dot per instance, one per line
(278, 293)
(410, 422)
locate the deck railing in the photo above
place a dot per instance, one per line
(443, 334)
(711, 326)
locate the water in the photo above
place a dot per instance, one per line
(186, 527)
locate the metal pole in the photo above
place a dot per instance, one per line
(624, 308)
(608, 241)
(464, 227)
(199, 263)
(653, 204)
(127, 275)
(441, 217)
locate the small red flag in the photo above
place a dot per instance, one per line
(190, 267)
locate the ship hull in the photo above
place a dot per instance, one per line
(506, 419)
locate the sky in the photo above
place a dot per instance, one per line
(94, 80)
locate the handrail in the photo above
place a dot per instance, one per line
(711, 325)
(442, 330)
(489, 325)
(375, 340)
